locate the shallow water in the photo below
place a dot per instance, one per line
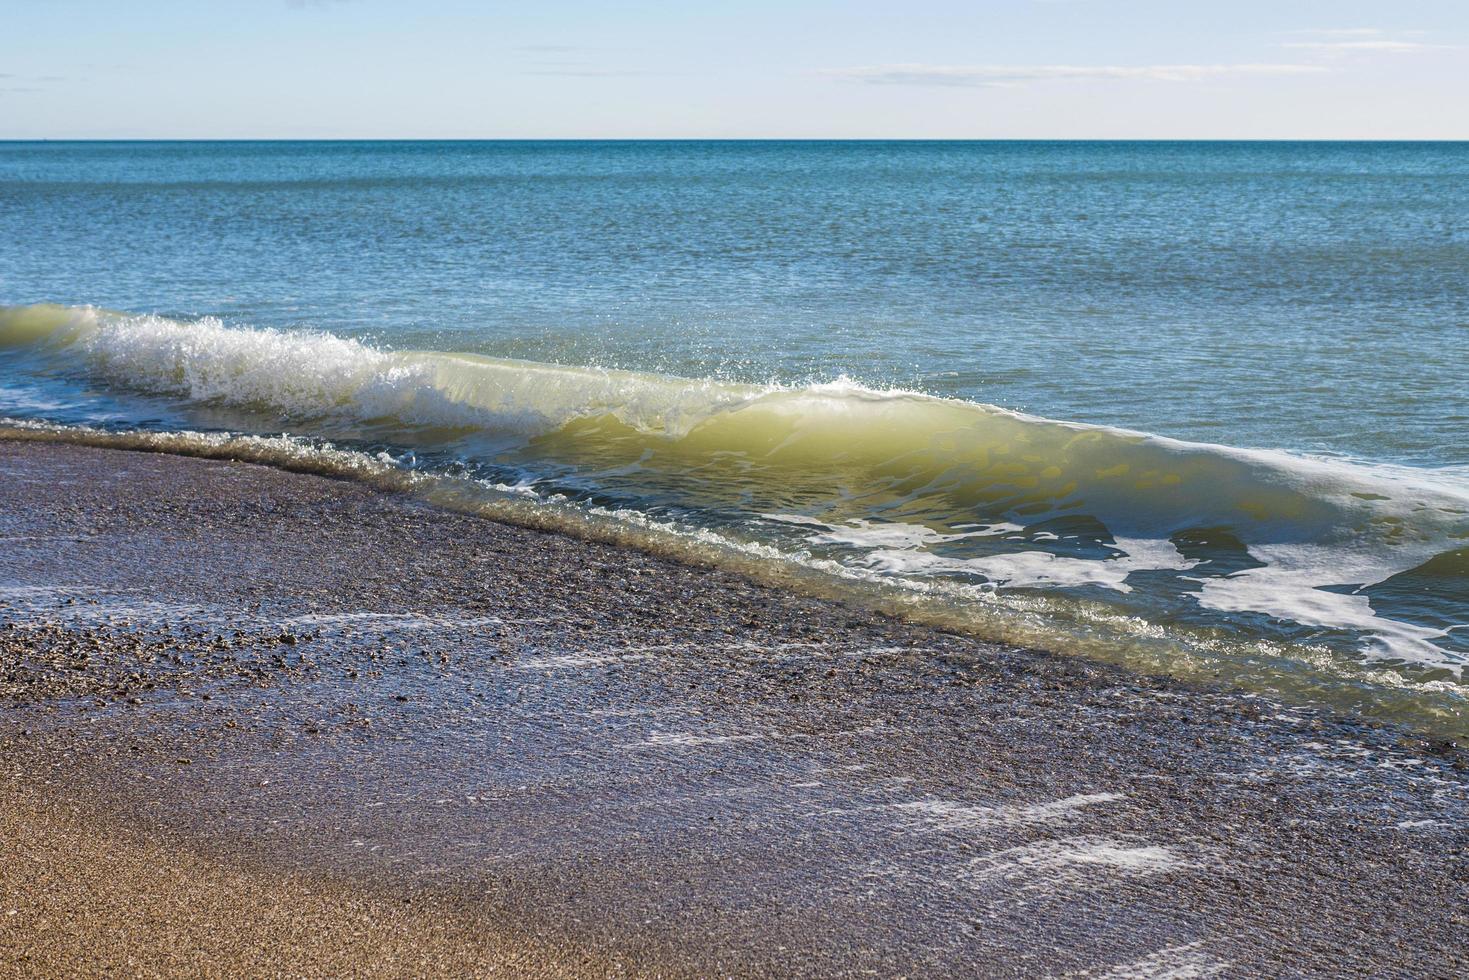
(1197, 407)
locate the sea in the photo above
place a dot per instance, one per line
(1197, 408)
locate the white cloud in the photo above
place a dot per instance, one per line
(1347, 39)
(1009, 75)
(1379, 44)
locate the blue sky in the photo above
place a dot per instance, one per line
(800, 68)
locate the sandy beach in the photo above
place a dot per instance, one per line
(263, 722)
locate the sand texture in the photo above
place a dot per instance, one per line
(256, 722)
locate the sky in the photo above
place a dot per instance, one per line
(508, 69)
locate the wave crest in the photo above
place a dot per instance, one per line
(888, 443)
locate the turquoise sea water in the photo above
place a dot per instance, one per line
(1197, 406)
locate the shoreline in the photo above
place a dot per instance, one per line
(1432, 707)
(650, 767)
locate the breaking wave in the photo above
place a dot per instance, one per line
(1041, 531)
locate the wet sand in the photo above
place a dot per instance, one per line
(256, 721)
(83, 896)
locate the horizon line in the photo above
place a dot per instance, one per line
(733, 139)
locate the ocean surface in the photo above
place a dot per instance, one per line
(1194, 407)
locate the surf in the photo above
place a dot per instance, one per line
(1038, 530)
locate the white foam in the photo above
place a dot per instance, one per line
(1038, 569)
(307, 375)
(1416, 824)
(883, 534)
(1292, 583)
(1185, 962)
(681, 740)
(1071, 862)
(947, 815)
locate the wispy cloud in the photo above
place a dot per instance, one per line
(998, 76)
(1376, 44)
(1348, 39)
